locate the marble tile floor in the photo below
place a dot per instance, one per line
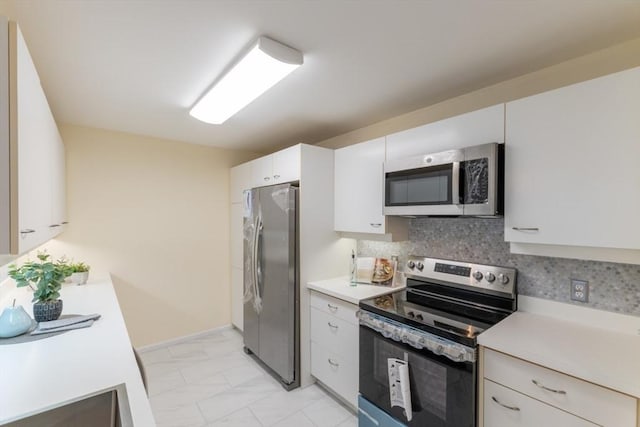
(208, 381)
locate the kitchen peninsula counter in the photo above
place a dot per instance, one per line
(40, 375)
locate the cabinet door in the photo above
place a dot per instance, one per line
(5, 161)
(504, 407)
(359, 187)
(262, 171)
(240, 179)
(32, 134)
(571, 168)
(337, 373)
(286, 165)
(58, 182)
(474, 128)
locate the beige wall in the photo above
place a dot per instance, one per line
(155, 214)
(606, 61)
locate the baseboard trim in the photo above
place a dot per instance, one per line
(181, 339)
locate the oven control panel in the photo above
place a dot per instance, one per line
(491, 278)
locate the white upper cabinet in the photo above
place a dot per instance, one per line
(286, 165)
(36, 194)
(33, 141)
(58, 218)
(358, 187)
(262, 171)
(277, 168)
(572, 175)
(358, 191)
(5, 161)
(474, 128)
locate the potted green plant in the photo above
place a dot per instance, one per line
(79, 272)
(45, 278)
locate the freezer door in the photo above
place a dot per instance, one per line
(251, 318)
(277, 276)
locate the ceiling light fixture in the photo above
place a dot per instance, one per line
(266, 63)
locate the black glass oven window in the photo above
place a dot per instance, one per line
(424, 186)
(442, 391)
(475, 176)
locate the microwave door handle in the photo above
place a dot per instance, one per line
(455, 183)
(384, 189)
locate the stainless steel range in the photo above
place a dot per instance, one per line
(418, 346)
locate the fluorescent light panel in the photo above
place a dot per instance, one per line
(263, 66)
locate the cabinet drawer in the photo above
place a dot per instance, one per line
(334, 306)
(334, 334)
(504, 407)
(581, 398)
(339, 375)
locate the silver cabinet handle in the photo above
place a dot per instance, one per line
(65, 222)
(27, 231)
(333, 308)
(276, 176)
(552, 390)
(54, 225)
(525, 228)
(266, 178)
(375, 224)
(513, 408)
(332, 363)
(332, 326)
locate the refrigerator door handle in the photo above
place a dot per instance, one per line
(256, 267)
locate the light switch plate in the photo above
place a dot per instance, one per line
(579, 290)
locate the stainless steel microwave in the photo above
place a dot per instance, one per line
(464, 182)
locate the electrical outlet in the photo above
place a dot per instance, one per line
(579, 290)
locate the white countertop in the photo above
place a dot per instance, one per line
(586, 350)
(341, 288)
(44, 374)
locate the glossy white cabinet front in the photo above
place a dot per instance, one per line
(36, 191)
(543, 396)
(359, 187)
(571, 168)
(334, 345)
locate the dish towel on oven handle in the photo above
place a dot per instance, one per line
(399, 387)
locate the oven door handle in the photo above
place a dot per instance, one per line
(416, 338)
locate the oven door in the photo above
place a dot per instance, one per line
(443, 391)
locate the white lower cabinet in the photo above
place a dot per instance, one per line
(334, 345)
(504, 407)
(336, 372)
(520, 393)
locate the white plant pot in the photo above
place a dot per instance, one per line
(79, 278)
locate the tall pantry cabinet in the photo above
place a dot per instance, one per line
(32, 177)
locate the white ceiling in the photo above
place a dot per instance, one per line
(139, 65)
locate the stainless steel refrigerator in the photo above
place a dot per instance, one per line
(271, 291)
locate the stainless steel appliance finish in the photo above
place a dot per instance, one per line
(464, 182)
(433, 325)
(477, 277)
(271, 308)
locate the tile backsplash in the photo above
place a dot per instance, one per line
(612, 287)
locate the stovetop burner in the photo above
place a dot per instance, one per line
(451, 299)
